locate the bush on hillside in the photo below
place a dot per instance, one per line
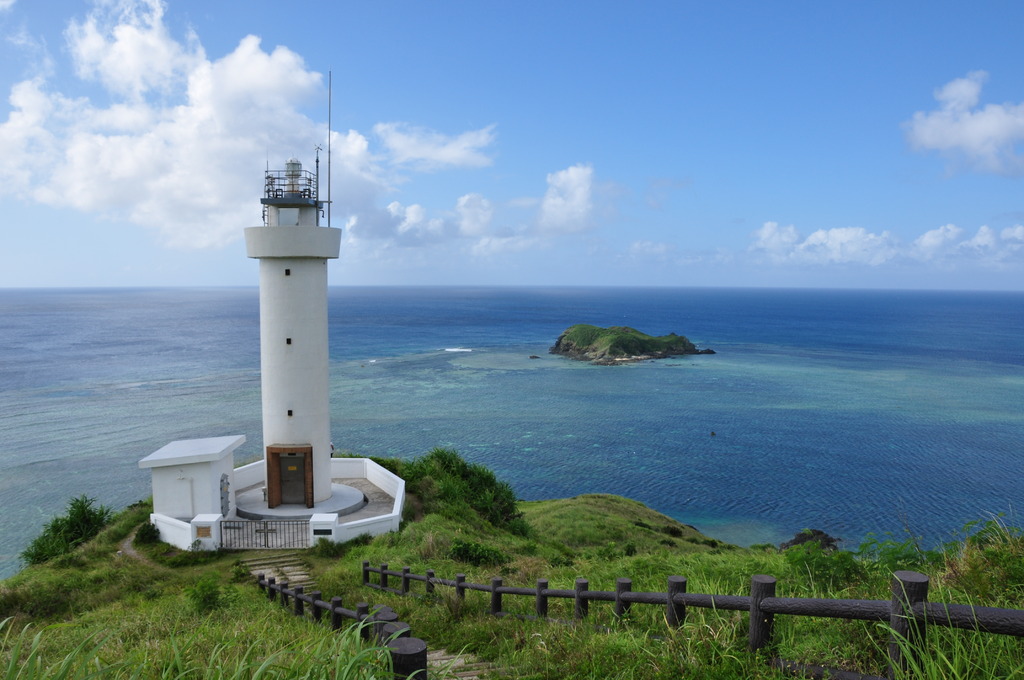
(477, 554)
(446, 483)
(147, 534)
(988, 564)
(66, 532)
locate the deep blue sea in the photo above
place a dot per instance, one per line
(847, 411)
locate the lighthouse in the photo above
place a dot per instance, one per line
(293, 250)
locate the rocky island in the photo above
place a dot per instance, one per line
(620, 344)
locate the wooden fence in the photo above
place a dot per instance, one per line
(408, 654)
(908, 612)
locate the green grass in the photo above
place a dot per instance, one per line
(621, 341)
(180, 614)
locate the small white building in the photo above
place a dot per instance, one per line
(199, 497)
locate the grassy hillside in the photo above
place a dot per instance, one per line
(150, 612)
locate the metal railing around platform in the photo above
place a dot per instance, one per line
(257, 534)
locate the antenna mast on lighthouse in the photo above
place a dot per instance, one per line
(330, 83)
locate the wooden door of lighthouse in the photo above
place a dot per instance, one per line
(289, 475)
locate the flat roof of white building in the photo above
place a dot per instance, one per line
(185, 451)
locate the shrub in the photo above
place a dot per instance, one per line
(447, 483)
(64, 533)
(206, 595)
(824, 569)
(476, 554)
(147, 534)
(988, 562)
(889, 555)
(329, 549)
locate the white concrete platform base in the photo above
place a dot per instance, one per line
(344, 500)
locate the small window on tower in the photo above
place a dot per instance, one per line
(287, 272)
(288, 341)
(289, 413)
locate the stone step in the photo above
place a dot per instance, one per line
(282, 567)
(463, 666)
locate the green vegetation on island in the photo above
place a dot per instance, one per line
(152, 611)
(620, 344)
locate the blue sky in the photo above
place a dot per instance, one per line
(869, 145)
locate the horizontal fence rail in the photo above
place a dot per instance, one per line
(907, 612)
(379, 623)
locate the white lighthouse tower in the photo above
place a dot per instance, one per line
(293, 250)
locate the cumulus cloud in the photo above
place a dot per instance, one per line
(567, 204)
(429, 149)
(847, 244)
(943, 246)
(775, 240)
(475, 214)
(176, 141)
(180, 166)
(127, 48)
(932, 242)
(985, 138)
(1014, 233)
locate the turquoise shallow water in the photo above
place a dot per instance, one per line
(846, 411)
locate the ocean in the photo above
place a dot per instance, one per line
(853, 412)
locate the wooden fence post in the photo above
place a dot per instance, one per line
(381, 619)
(271, 591)
(430, 580)
(260, 582)
(495, 596)
(908, 589)
(383, 576)
(408, 658)
(460, 587)
(397, 629)
(316, 611)
(542, 599)
(362, 612)
(622, 585)
(405, 580)
(675, 612)
(761, 623)
(582, 606)
(366, 572)
(335, 613)
(299, 604)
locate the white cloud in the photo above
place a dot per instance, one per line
(176, 142)
(428, 149)
(475, 214)
(567, 204)
(651, 249)
(126, 47)
(495, 245)
(985, 138)
(847, 245)
(984, 241)
(931, 243)
(775, 240)
(944, 246)
(6, 4)
(843, 245)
